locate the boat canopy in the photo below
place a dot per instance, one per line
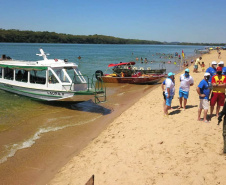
(121, 64)
(37, 68)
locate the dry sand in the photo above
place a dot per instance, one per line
(142, 146)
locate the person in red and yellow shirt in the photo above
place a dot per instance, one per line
(218, 94)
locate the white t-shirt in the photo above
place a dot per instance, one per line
(185, 82)
(169, 84)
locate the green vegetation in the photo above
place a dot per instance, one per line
(52, 37)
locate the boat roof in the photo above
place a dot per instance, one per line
(122, 63)
(37, 65)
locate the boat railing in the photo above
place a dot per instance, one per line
(100, 89)
(93, 85)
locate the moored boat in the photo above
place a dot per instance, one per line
(130, 76)
(48, 80)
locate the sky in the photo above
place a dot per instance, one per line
(198, 21)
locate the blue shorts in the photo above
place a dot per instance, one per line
(169, 100)
(183, 94)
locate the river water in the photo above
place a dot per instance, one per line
(37, 138)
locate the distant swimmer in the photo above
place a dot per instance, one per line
(79, 57)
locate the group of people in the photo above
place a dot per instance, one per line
(186, 81)
(210, 89)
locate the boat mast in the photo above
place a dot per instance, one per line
(42, 54)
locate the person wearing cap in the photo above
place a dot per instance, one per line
(169, 91)
(197, 62)
(186, 81)
(218, 94)
(203, 91)
(221, 64)
(212, 70)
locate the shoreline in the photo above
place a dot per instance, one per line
(140, 146)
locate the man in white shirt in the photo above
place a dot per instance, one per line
(186, 81)
(169, 92)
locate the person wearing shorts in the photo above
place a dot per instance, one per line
(169, 92)
(218, 95)
(186, 81)
(203, 91)
(197, 62)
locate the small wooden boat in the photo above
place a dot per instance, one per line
(47, 79)
(130, 76)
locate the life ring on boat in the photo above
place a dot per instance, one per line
(99, 73)
(56, 59)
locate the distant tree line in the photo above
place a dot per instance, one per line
(19, 36)
(52, 37)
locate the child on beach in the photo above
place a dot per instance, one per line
(203, 66)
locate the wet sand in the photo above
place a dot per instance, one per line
(141, 146)
(39, 163)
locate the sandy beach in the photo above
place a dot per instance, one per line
(141, 146)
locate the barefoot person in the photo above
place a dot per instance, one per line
(203, 91)
(186, 81)
(197, 62)
(169, 92)
(219, 84)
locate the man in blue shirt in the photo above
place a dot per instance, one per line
(221, 64)
(212, 70)
(204, 91)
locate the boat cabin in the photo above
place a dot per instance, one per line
(62, 77)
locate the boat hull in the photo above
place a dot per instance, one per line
(47, 95)
(145, 71)
(132, 80)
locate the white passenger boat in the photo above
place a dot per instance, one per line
(47, 79)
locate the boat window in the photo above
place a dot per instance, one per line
(52, 78)
(8, 73)
(38, 77)
(0, 72)
(21, 75)
(61, 75)
(74, 77)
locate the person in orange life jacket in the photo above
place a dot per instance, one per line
(221, 64)
(218, 95)
(212, 70)
(186, 81)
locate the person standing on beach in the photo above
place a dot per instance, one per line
(212, 70)
(164, 97)
(197, 62)
(221, 64)
(219, 54)
(169, 91)
(203, 91)
(218, 95)
(186, 81)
